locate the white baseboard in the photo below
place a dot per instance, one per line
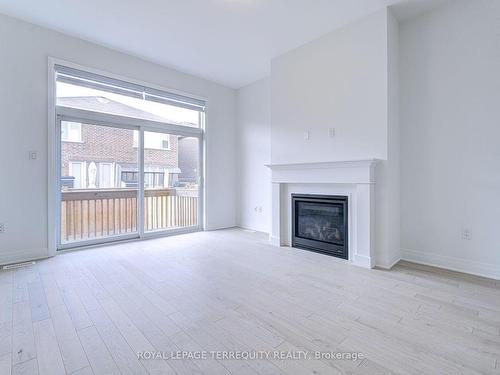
(390, 265)
(252, 229)
(255, 228)
(212, 228)
(453, 264)
(23, 256)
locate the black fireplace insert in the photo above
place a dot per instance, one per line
(319, 223)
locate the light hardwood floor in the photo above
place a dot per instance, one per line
(92, 311)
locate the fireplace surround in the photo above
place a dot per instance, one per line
(320, 223)
(354, 179)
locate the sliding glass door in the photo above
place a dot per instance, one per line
(102, 196)
(171, 181)
(129, 160)
(98, 201)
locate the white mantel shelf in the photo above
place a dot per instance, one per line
(325, 164)
(352, 178)
(334, 172)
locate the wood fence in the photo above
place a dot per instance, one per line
(94, 213)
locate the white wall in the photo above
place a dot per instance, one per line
(345, 80)
(24, 49)
(388, 177)
(450, 136)
(339, 81)
(253, 145)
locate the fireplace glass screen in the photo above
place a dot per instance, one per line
(321, 222)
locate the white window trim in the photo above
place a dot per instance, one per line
(80, 140)
(112, 175)
(168, 148)
(54, 144)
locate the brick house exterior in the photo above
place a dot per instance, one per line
(114, 151)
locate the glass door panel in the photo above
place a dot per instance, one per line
(171, 181)
(99, 182)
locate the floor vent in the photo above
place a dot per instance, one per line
(18, 265)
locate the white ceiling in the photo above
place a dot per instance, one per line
(226, 41)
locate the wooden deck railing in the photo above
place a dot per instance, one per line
(94, 213)
(170, 208)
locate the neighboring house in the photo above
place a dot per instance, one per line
(90, 160)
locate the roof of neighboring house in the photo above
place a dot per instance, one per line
(105, 105)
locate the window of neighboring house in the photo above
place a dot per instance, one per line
(77, 169)
(106, 175)
(153, 141)
(71, 131)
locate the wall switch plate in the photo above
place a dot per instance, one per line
(466, 234)
(33, 155)
(2, 228)
(331, 132)
(306, 135)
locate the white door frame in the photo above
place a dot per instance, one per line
(57, 114)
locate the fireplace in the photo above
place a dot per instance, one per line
(319, 223)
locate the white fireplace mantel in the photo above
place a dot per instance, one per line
(353, 178)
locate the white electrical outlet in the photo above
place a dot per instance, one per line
(33, 155)
(307, 135)
(466, 234)
(331, 132)
(2, 228)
